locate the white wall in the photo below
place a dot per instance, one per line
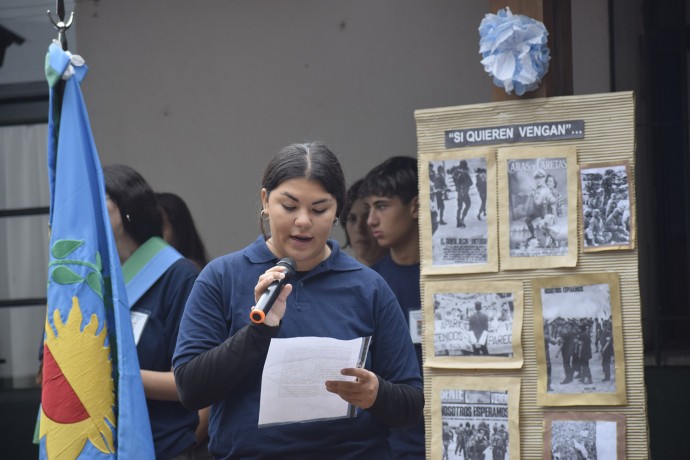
(198, 95)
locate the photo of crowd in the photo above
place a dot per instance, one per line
(606, 210)
(579, 354)
(578, 325)
(473, 324)
(474, 424)
(585, 436)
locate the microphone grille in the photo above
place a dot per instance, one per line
(290, 263)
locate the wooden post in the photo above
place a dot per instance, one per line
(555, 14)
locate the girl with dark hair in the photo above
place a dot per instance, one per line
(158, 281)
(220, 354)
(179, 230)
(353, 219)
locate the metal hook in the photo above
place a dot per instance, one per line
(60, 25)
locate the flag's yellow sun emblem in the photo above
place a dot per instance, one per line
(78, 390)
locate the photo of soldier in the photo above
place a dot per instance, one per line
(453, 192)
(616, 226)
(566, 348)
(570, 318)
(463, 182)
(594, 229)
(447, 438)
(480, 180)
(575, 339)
(606, 350)
(463, 437)
(499, 442)
(584, 353)
(568, 309)
(473, 436)
(475, 442)
(537, 207)
(433, 205)
(605, 206)
(440, 191)
(541, 202)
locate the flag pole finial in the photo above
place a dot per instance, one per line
(60, 25)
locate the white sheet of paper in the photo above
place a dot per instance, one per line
(293, 386)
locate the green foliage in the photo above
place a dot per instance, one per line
(63, 248)
(65, 275)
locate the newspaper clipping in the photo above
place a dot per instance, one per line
(579, 339)
(591, 436)
(581, 362)
(607, 217)
(458, 202)
(538, 207)
(473, 324)
(475, 424)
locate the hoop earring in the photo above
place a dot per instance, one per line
(262, 216)
(335, 221)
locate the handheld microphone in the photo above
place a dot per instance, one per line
(268, 298)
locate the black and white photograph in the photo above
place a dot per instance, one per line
(538, 207)
(474, 325)
(458, 203)
(581, 347)
(607, 207)
(476, 418)
(579, 436)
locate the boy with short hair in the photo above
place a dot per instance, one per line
(391, 193)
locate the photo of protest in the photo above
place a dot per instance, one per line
(607, 217)
(578, 339)
(475, 424)
(458, 211)
(538, 206)
(580, 440)
(584, 435)
(473, 324)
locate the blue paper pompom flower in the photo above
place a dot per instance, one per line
(514, 51)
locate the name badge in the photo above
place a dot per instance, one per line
(139, 319)
(415, 322)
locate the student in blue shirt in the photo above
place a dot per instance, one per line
(390, 192)
(353, 219)
(158, 280)
(220, 354)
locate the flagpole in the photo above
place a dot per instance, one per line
(61, 28)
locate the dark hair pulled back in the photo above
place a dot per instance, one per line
(311, 161)
(134, 197)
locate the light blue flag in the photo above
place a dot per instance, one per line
(93, 403)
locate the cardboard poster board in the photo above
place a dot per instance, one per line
(589, 132)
